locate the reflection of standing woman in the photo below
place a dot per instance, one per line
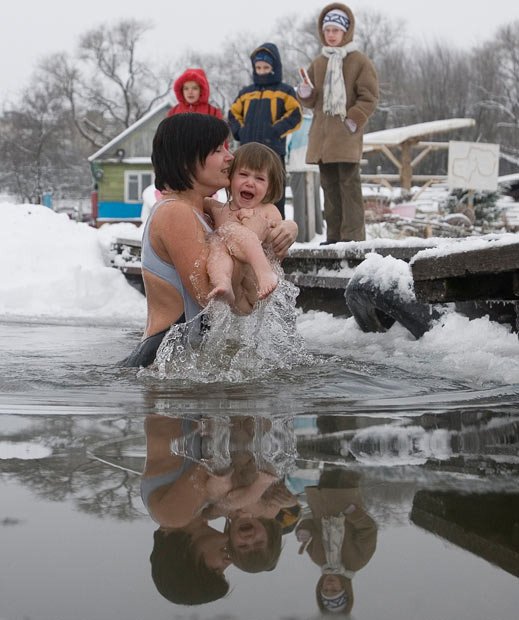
(340, 537)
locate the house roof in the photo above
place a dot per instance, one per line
(115, 141)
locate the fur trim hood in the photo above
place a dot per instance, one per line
(192, 75)
(341, 7)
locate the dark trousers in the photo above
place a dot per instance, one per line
(303, 204)
(280, 204)
(343, 205)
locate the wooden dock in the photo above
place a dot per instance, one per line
(465, 275)
(482, 281)
(321, 273)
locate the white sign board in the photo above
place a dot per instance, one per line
(473, 165)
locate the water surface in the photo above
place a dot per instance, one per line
(435, 460)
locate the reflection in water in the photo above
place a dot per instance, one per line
(338, 535)
(233, 493)
(200, 469)
(480, 442)
(486, 524)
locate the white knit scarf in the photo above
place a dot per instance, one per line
(333, 537)
(334, 102)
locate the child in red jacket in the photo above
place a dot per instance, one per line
(192, 92)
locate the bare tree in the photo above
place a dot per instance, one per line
(107, 87)
(496, 90)
(37, 147)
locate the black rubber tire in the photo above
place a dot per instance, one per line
(376, 309)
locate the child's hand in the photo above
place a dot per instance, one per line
(351, 125)
(350, 509)
(303, 535)
(304, 76)
(254, 221)
(217, 486)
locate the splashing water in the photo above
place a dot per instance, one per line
(235, 348)
(271, 441)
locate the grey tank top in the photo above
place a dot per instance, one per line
(166, 271)
(193, 454)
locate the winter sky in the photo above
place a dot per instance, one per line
(30, 29)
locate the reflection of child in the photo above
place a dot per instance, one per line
(192, 92)
(242, 224)
(255, 500)
(255, 533)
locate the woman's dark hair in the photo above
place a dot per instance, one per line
(181, 142)
(262, 559)
(179, 575)
(258, 157)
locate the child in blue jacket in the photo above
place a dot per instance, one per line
(267, 110)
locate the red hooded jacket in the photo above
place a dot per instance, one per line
(202, 106)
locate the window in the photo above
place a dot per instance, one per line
(134, 184)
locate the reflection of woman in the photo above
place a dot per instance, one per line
(191, 162)
(340, 537)
(189, 557)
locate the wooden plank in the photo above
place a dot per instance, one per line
(356, 252)
(499, 286)
(316, 281)
(134, 243)
(495, 259)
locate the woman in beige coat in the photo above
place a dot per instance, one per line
(341, 87)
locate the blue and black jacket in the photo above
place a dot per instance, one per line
(267, 110)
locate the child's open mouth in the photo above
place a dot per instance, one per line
(247, 195)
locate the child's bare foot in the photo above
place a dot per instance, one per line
(267, 282)
(224, 293)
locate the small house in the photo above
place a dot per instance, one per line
(122, 170)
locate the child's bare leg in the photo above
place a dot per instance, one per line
(220, 266)
(246, 247)
(250, 494)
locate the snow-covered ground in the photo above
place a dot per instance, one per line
(56, 270)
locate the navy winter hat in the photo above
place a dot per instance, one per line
(336, 18)
(264, 56)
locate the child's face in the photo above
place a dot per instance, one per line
(191, 91)
(331, 585)
(262, 68)
(247, 534)
(249, 187)
(333, 36)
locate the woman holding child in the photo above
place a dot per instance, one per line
(191, 162)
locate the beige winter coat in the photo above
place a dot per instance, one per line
(360, 535)
(330, 140)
